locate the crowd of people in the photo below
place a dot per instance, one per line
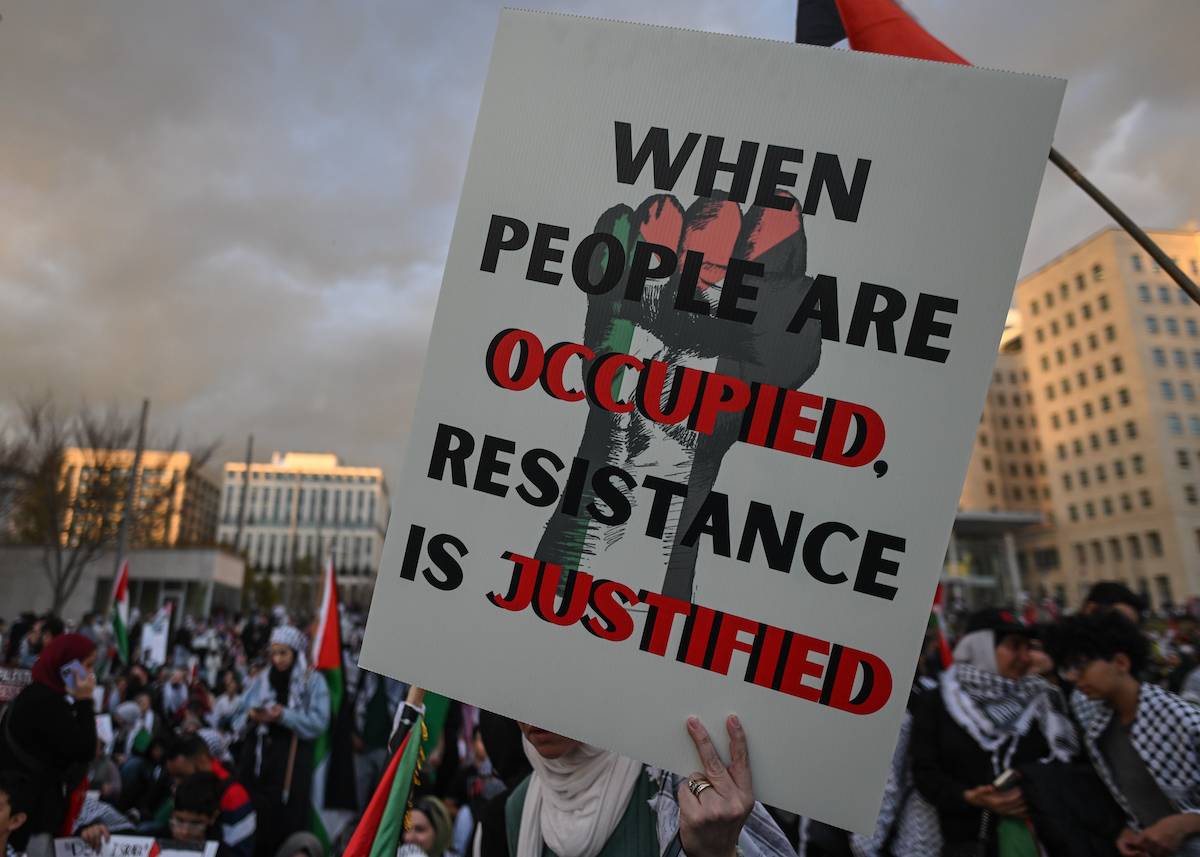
(1075, 736)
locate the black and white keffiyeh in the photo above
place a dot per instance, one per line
(1165, 733)
(995, 710)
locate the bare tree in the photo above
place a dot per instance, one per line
(72, 505)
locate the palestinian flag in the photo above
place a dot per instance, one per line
(120, 613)
(333, 756)
(382, 824)
(874, 26)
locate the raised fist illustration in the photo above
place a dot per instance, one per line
(682, 321)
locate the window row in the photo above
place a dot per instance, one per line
(1145, 295)
(1093, 342)
(1088, 409)
(1107, 507)
(1064, 290)
(1115, 548)
(1179, 358)
(1135, 262)
(1171, 325)
(1175, 424)
(1113, 433)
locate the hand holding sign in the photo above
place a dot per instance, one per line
(711, 818)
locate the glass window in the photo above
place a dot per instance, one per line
(1110, 332)
(1135, 262)
(1118, 365)
(1119, 469)
(1105, 403)
(1159, 356)
(1189, 324)
(1144, 293)
(1152, 324)
(1093, 341)
(1139, 464)
(1180, 358)
(1123, 396)
(1064, 290)
(1194, 425)
(1172, 325)
(1033, 307)
(1174, 424)
(1114, 436)
(1154, 543)
(1145, 498)
(1164, 295)
(1102, 302)
(1131, 430)
(1188, 391)
(1168, 390)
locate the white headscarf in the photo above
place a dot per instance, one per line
(574, 802)
(996, 711)
(295, 640)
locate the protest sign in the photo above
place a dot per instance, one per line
(12, 682)
(155, 636)
(134, 846)
(104, 731)
(714, 334)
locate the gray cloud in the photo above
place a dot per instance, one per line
(242, 211)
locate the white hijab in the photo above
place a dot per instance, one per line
(574, 802)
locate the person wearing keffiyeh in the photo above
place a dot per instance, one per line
(280, 713)
(1143, 741)
(987, 716)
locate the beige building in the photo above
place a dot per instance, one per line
(303, 506)
(1098, 380)
(177, 505)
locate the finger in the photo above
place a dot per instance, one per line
(739, 754)
(775, 238)
(712, 228)
(714, 768)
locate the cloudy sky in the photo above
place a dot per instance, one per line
(242, 210)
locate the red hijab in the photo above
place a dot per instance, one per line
(61, 651)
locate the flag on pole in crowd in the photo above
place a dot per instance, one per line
(382, 824)
(333, 756)
(120, 613)
(938, 620)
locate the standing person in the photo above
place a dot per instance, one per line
(49, 734)
(375, 704)
(1143, 741)
(226, 704)
(986, 717)
(282, 711)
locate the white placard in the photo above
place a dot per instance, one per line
(828, 373)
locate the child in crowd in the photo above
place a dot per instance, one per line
(14, 809)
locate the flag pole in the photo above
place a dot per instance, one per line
(129, 509)
(1135, 232)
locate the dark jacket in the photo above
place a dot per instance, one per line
(946, 762)
(54, 742)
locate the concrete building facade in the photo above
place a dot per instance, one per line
(177, 504)
(1104, 372)
(303, 506)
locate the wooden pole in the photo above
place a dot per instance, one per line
(291, 769)
(1135, 232)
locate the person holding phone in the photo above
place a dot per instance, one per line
(49, 734)
(989, 715)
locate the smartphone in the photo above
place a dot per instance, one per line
(1006, 780)
(71, 673)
